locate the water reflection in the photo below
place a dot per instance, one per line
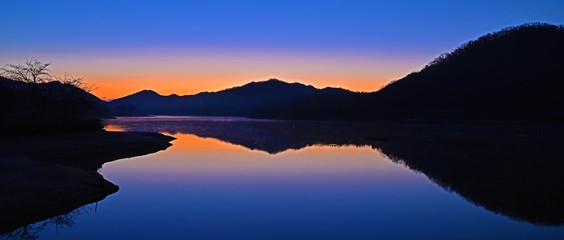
(269, 136)
(203, 188)
(512, 170)
(193, 157)
(517, 178)
(57, 223)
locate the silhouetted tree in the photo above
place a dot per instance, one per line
(33, 231)
(76, 82)
(33, 71)
(42, 102)
(71, 94)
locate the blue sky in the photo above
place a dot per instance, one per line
(409, 31)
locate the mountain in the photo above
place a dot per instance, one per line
(250, 100)
(515, 74)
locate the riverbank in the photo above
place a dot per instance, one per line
(48, 175)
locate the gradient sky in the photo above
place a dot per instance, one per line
(185, 47)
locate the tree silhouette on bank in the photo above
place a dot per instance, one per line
(35, 101)
(32, 71)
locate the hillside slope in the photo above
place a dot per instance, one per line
(47, 107)
(516, 73)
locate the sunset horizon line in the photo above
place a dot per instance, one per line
(180, 92)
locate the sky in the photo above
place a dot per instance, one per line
(185, 47)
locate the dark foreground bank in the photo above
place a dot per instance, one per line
(45, 176)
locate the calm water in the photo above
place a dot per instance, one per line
(205, 188)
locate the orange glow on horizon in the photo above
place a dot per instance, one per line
(120, 87)
(189, 71)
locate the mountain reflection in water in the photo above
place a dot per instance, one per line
(509, 169)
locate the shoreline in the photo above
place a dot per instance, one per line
(85, 150)
(48, 175)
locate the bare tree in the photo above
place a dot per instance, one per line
(33, 71)
(72, 94)
(76, 82)
(46, 97)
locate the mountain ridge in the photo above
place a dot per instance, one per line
(249, 84)
(512, 74)
(244, 100)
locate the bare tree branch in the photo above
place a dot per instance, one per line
(33, 71)
(78, 82)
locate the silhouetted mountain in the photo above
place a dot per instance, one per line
(145, 94)
(252, 99)
(328, 103)
(512, 74)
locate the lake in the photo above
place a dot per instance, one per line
(236, 178)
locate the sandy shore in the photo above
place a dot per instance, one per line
(45, 176)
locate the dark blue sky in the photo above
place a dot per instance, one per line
(418, 30)
(355, 25)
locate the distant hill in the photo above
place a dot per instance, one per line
(516, 73)
(52, 98)
(513, 74)
(46, 107)
(251, 100)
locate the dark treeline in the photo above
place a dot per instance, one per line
(514, 74)
(32, 108)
